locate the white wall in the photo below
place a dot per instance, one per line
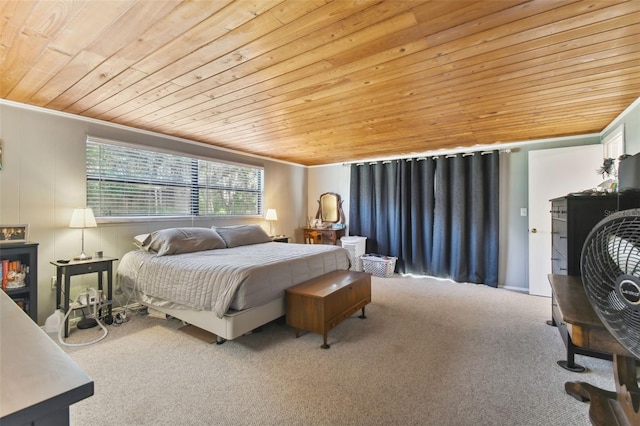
(514, 195)
(631, 119)
(43, 179)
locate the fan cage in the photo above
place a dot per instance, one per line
(611, 251)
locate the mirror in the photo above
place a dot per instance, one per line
(330, 208)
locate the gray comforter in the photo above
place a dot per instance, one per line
(231, 278)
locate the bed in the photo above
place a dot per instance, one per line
(226, 280)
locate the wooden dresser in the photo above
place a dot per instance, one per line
(322, 235)
(320, 304)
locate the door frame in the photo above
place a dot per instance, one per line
(566, 170)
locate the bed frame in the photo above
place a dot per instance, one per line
(231, 325)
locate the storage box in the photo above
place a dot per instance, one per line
(379, 266)
(356, 248)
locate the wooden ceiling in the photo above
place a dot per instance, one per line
(320, 81)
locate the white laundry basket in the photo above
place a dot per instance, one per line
(380, 266)
(356, 246)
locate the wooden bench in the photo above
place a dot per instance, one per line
(320, 304)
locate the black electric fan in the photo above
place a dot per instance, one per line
(610, 266)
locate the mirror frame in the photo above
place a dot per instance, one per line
(340, 212)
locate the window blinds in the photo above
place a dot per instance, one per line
(123, 181)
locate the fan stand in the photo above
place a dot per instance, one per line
(612, 408)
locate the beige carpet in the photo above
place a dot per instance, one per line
(430, 352)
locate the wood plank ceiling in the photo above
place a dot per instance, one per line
(320, 81)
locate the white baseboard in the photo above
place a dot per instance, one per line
(518, 289)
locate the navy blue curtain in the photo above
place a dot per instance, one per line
(438, 216)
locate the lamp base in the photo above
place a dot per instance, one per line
(82, 256)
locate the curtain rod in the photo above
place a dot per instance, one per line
(422, 158)
(506, 148)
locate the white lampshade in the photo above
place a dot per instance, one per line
(271, 214)
(83, 218)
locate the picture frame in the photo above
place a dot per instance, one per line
(14, 233)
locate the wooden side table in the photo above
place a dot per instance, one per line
(580, 327)
(588, 335)
(79, 267)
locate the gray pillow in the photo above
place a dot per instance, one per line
(242, 235)
(182, 240)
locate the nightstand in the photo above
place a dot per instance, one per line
(79, 267)
(280, 239)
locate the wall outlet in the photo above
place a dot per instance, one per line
(54, 283)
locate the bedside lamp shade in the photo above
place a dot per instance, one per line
(83, 218)
(271, 216)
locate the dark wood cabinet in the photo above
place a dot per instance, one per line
(573, 217)
(27, 256)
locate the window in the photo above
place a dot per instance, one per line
(613, 143)
(124, 181)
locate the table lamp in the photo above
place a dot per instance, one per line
(83, 218)
(271, 216)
